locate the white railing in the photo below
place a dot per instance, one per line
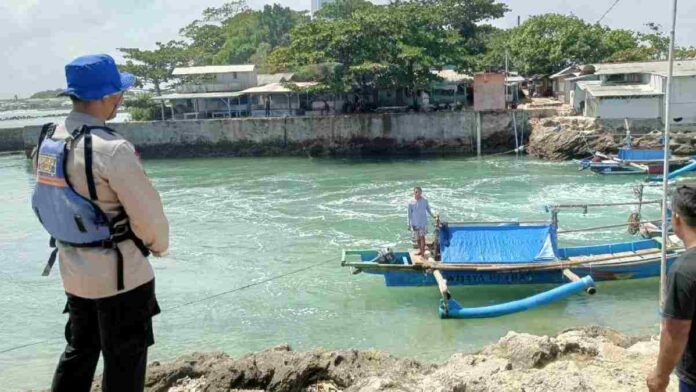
(208, 88)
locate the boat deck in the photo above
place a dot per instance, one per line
(639, 255)
(599, 259)
(419, 260)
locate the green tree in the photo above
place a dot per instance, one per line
(141, 107)
(206, 36)
(155, 66)
(544, 44)
(242, 36)
(618, 40)
(251, 35)
(656, 41)
(653, 45)
(342, 9)
(685, 53)
(234, 34)
(276, 22)
(469, 17)
(492, 57)
(393, 46)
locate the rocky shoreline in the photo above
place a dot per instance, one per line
(584, 359)
(572, 137)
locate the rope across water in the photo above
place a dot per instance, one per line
(196, 301)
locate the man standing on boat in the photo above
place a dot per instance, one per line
(104, 217)
(418, 211)
(678, 336)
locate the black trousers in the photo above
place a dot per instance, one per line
(120, 328)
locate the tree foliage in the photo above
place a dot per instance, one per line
(468, 17)
(342, 9)
(141, 107)
(233, 33)
(394, 46)
(155, 66)
(355, 45)
(229, 34)
(544, 44)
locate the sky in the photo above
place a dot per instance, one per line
(40, 36)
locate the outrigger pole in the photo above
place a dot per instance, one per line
(665, 172)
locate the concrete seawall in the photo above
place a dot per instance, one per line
(349, 135)
(11, 139)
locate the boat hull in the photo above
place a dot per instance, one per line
(614, 167)
(471, 278)
(646, 268)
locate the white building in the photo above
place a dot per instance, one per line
(218, 78)
(559, 82)
(637, 91)
(210, 91)
(220, 91)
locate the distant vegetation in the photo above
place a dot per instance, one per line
(355, 44)
(141, 107)
(46, 94)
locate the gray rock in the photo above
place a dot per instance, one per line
(524, 351)
(585, 359)
(563, 138)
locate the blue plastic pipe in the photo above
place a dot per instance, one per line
(457, 311)
(677, 173)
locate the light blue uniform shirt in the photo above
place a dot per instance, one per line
(418, 211)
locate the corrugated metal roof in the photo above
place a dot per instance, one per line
(451, 75)
(583, 77)
(630, 90)
(681, 68)
(213, 69)
(225, 94)
(263, 79)
(515, 79)
(583, 84)
(572, 70)
(276, 88)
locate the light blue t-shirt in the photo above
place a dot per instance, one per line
(418, 211)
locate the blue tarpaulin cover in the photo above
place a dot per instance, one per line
(629, 154)
(497, 244)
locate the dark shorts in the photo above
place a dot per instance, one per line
(418, 232)
(119, 323)
(120, 329)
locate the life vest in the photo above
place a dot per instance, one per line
(70, 218)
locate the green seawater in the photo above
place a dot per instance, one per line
(240, 221)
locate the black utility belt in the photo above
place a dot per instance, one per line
(110, 243)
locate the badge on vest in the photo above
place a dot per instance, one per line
(47, 165)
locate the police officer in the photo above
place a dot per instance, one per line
(105, 218)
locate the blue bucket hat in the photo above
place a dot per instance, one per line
(93, 77)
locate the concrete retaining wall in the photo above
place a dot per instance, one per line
(367, 134)
(11, 139)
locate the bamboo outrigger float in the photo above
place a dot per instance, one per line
(512, 253)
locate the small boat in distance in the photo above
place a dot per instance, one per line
(511, 253)
(632, 161)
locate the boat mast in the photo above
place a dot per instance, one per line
(665, 172)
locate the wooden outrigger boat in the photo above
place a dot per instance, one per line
(511, 253)
(632, 161)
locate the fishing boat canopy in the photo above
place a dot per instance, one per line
(635, 155)
(497, 244)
